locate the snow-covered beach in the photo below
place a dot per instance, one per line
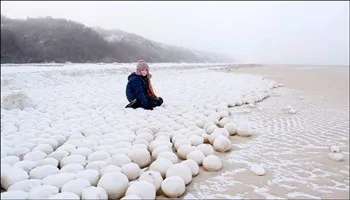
(78, 109)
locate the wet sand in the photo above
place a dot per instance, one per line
(292, 148)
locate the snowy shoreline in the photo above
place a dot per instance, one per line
(86, 110)
(79, 121)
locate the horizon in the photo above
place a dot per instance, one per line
(315, 33)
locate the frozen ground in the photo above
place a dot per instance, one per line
(85, 108)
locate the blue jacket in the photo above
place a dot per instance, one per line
(137, 88)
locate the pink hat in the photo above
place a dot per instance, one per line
(142, 65)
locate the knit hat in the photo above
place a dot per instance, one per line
(142, 65)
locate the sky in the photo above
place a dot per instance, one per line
(286, 32)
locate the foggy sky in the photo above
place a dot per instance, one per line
(260, 32)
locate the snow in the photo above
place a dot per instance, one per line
(82, 106)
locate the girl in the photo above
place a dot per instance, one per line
(139, 90)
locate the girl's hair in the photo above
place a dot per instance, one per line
(142, 65)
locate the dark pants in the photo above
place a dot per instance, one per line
(154, 102)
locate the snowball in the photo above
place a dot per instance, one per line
(197, 156)
(76, 186)
(193, 165)
(224, 112)
(65, 195)
(52, 142)
(207, 149)
(46, 148)
(213, 136)
(110, 168)
(99, 156)
(43, 192)
(28, 145)
(173, 187)
(58, 180)
(180, 142)
(131, 170)
(142, 157)
(196, 140)
(336, 156)
(89, 174)
(15, 194)
(222, 144)
(210, 129)
(25, 185)
(41, 172)
(159, 150)
(183, 150)
(258, 170)
(177, 137)
(48, 161)
(207, 124)
(292, 111)
(107, 141)
(72, 168)
(144, 130)
(214, 117)
(67, 147)
(93, 192)
(152, 177)
(115, 184)
(131, 196)
(10, 160)
(143, 189)
(124, 151)
(83, 151)
(35, 156)
(181, 171)
(156, 143)
(60, 139)
(11, 175)
(334, 149)
(221, 131)
(73, 159)
(146, 136)
(162, 137)
(16, 100)
(231, 128)
(96, 165)
(19, 151)
(199, 123)
(139, 146)
(224, 121)
(161, 165)
(141, 141)
(58, 154)
(170, 156)
(244, 131)
(212, 163)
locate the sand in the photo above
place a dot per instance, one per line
(292, 148)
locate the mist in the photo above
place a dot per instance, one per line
(255, 32)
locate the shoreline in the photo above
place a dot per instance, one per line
(293, 148)
(301, 141)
